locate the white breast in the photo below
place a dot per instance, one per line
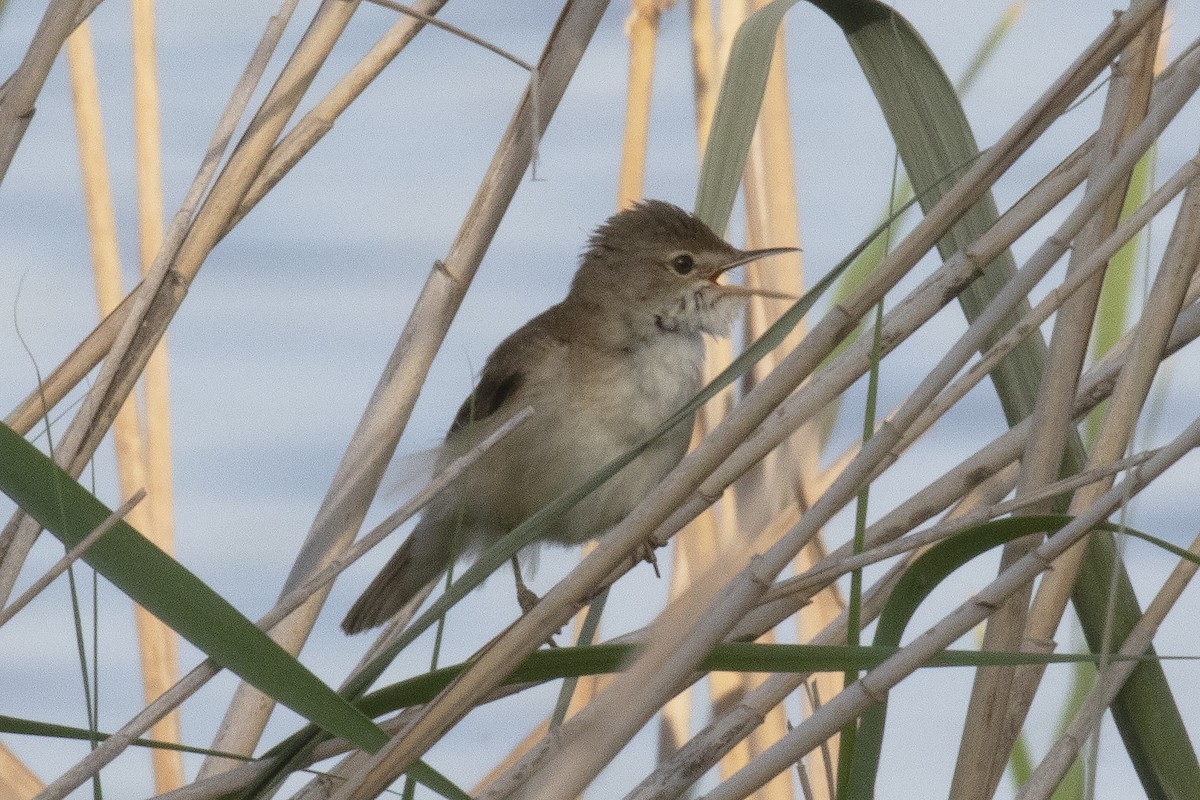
(669, 372)
(636, 392)
(623, 403)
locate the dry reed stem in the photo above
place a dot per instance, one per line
(741, 594)
(822, 573)
(904, 319)
(100, 341)
(1050, 771)
(1126, 106)
(674, 776)
(937, 289)
(788, 473)
(517, 753)
(585, 743)
(183, 264)
(757, 490)
(262, 132)
(147, 137)
(150, 238)
(699, 544)
(1164, 303)
(586, 688)
(157, 643)
(67, 375)
(842, 319)
(1048, 192)
(773, 220)
(772, 213)
(71, 556)
(975, 778)
(1055, 299)
(17, 781)
(849, 704)
(730, 14)
(448, 281)
(1150, 336)
(230, 186)
(641, 27)
(94, 413)
(613, 553)
(696, 546)
(319, 120)
(1038, 201)
(375, 439)
(111, 747)
(1010, 296)
(992, 459)
(675, 721)
(146, 318)
(23, 86)
(705, 76)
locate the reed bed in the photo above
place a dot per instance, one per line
(808, 517)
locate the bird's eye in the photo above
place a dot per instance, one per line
(682, 263)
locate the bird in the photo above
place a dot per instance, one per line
(600, 370)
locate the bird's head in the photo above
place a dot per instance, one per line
(658, 267)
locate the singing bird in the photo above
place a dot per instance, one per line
(601, 370)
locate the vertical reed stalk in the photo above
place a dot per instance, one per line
(157, 641)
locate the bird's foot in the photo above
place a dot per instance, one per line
(645, 552)
(526, 598)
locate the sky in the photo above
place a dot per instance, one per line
(285, 330)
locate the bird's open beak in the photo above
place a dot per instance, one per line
(745, 257)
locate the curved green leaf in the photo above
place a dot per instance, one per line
(933, 136)
(603, 659)
(918, 581)
(31, 727)
(165, 588)
(420, 771)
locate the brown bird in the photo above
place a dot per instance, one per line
(601, 370)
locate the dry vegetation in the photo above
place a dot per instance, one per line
(747, 508)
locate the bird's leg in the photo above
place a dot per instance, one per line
(526, 598)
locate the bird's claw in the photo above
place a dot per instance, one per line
(526, 598)
(645, 552)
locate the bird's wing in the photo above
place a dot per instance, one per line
(496, 386)
(511, 366)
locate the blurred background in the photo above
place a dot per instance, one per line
(278, 345)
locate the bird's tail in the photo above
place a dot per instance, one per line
(421, 560)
